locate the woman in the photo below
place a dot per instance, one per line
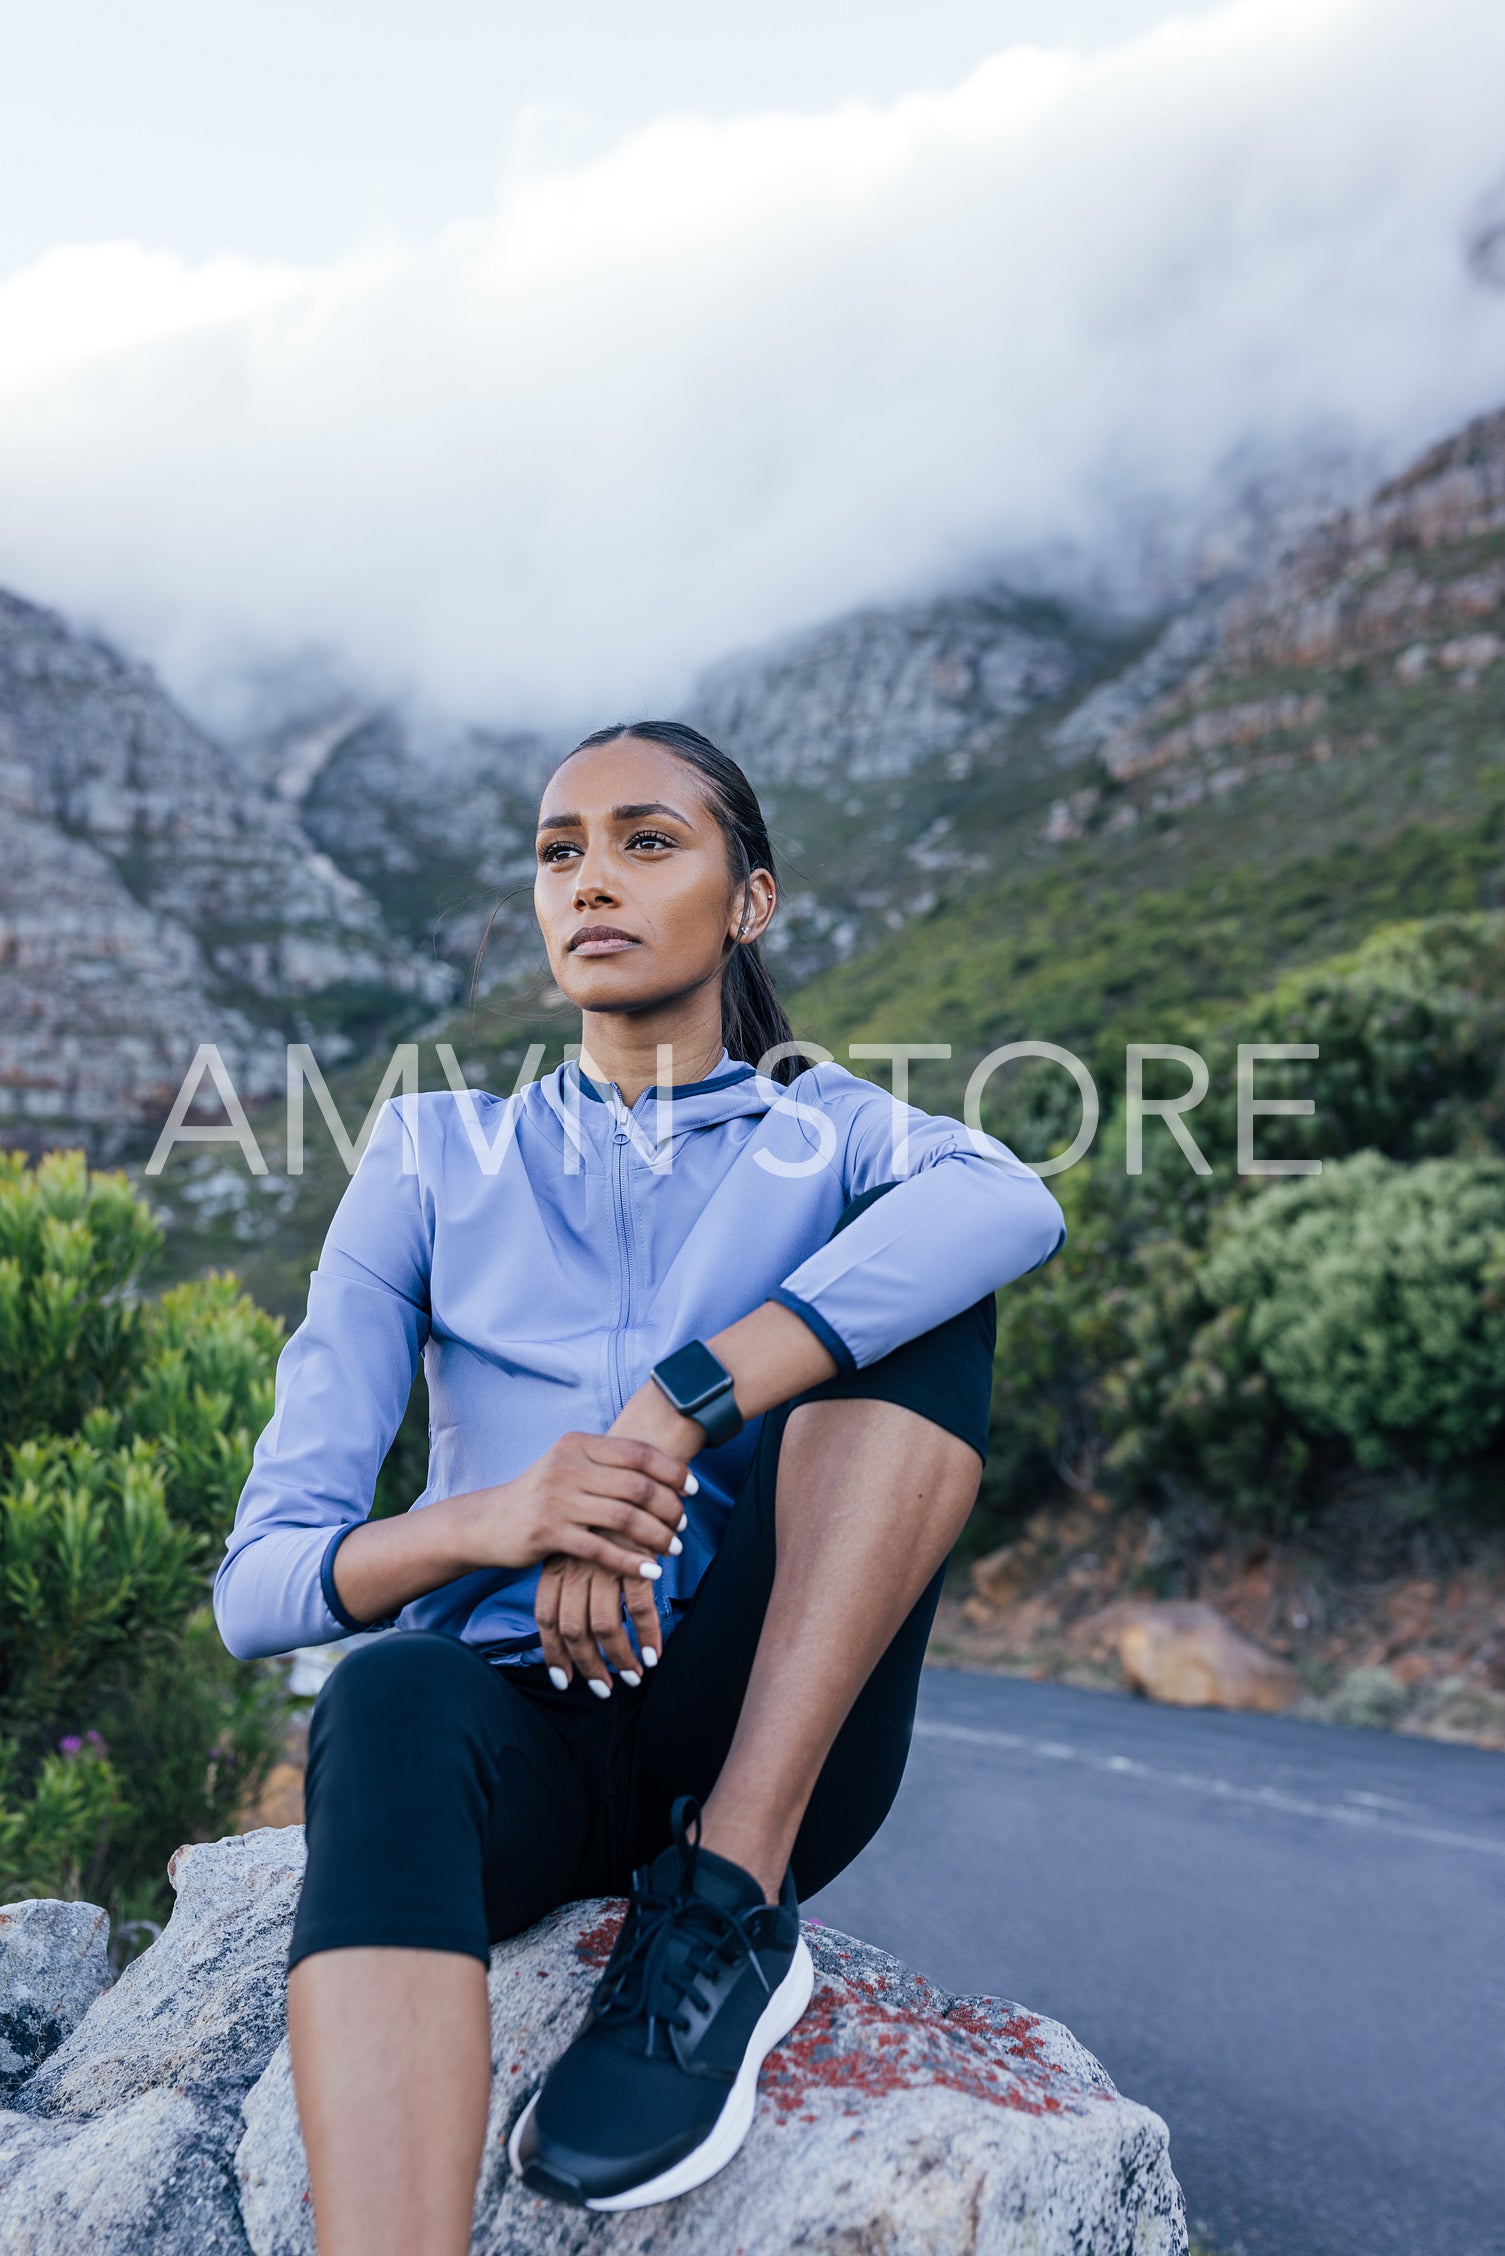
(708, 1337)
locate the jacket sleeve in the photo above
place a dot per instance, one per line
(964, 1217)
(343, 1382)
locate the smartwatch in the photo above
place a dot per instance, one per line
(699, 1385)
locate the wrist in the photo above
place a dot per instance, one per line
(698, 1385)
(648, 1415)
(460, 1527)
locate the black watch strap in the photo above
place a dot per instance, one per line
(699, 1385)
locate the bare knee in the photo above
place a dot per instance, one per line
(884, 1448)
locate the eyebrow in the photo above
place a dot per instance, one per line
(629, 813)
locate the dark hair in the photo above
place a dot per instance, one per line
(752, 1017)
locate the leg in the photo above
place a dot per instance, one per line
(790, 1685)
(427, 1772)
(784, 1702)
(392, 2067)
(871, 1497)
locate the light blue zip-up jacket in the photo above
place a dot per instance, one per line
(543, 1251)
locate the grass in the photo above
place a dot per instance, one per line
(1075, 954)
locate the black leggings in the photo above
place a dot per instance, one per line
(452, 1801)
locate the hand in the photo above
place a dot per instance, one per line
(579, 1606)
(610, 1500)
(578, 1609)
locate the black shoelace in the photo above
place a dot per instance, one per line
(673, 1939)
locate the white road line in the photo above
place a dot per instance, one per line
(1366, 1820)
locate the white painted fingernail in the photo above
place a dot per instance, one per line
(675, 1547)
(559, 1680)
(602, 1691)
(650, 1568)
(684, 1521)
(630, 1676)
(691, 1487)
(650, 1657)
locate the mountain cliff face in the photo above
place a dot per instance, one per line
(1386, 620)
(835, 727)
(892, 748)
(869, 697)
(152, 897)
(436, 823)
(332, 877)
(1279, 774)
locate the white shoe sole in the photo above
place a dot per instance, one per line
(734, 2122)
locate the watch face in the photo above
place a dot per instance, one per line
(691, 1373)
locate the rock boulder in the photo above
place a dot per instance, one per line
(896, 2116)
(53, 1965)
(1189, 1656)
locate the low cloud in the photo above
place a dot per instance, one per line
(733, 377)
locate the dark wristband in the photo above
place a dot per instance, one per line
(699, 1386)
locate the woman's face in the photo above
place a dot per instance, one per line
(634, 895)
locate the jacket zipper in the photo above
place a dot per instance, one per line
(619, 1189)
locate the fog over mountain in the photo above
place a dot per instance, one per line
(1085, 322)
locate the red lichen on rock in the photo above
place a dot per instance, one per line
(593, 1947)
(853, 2042)
(1018, 2032)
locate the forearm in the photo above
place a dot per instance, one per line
(771, 1354)
(383, 1565)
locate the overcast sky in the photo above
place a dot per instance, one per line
(289, 128)
(532, 368)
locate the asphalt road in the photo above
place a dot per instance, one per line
(1287, 1939)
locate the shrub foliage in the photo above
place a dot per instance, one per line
(126, 1431)
(1243, 1340)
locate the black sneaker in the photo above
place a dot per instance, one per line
(656, 2093)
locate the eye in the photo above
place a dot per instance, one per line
(556, 848)
(650, 838)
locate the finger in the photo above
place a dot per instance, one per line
(592, 1547)
(546, 1614)
(643, 1615)
(643, 1457)
(634, 1526)
(624, 1485)
(610, 1630)
(574, 1629)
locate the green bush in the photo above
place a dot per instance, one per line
(1411, 1030)
(1350, 1319)
(126, 1432)
(1241, 1340)
(70, 1246)
(1058, 1331)
(1372, 1298)
(1188, 1408)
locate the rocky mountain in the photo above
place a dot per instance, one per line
(332, 875)
(1280, 773)
(153, 896)
(868, 697)
(1384, 615)
(436, 821)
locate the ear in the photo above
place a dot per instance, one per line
(752, 907)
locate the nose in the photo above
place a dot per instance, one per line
(592, 887)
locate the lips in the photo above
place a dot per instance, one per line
(600, 940)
